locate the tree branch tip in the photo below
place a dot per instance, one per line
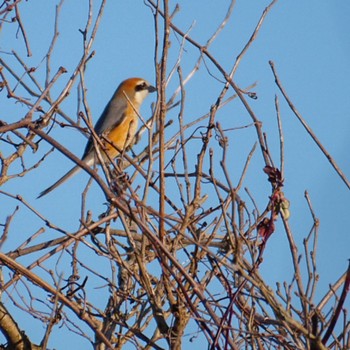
(62, 70)
(253, 95)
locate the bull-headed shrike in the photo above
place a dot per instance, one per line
(117, 124)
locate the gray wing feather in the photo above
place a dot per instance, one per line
(108, 120)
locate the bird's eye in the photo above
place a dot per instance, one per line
(141, 86)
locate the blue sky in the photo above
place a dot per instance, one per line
(310, 45)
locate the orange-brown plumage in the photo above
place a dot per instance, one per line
(117, 123)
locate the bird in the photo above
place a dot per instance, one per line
(117, 124)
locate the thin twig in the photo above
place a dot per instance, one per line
(308, 129)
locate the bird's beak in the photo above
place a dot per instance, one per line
(151, 89)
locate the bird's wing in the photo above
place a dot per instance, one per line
(111, 117)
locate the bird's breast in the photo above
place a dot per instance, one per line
(122, 135)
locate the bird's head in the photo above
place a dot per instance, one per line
(136, 90)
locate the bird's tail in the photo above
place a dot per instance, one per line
(64, 178)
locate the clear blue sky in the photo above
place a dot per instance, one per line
(310, 45)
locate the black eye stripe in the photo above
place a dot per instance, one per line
(141, 86)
